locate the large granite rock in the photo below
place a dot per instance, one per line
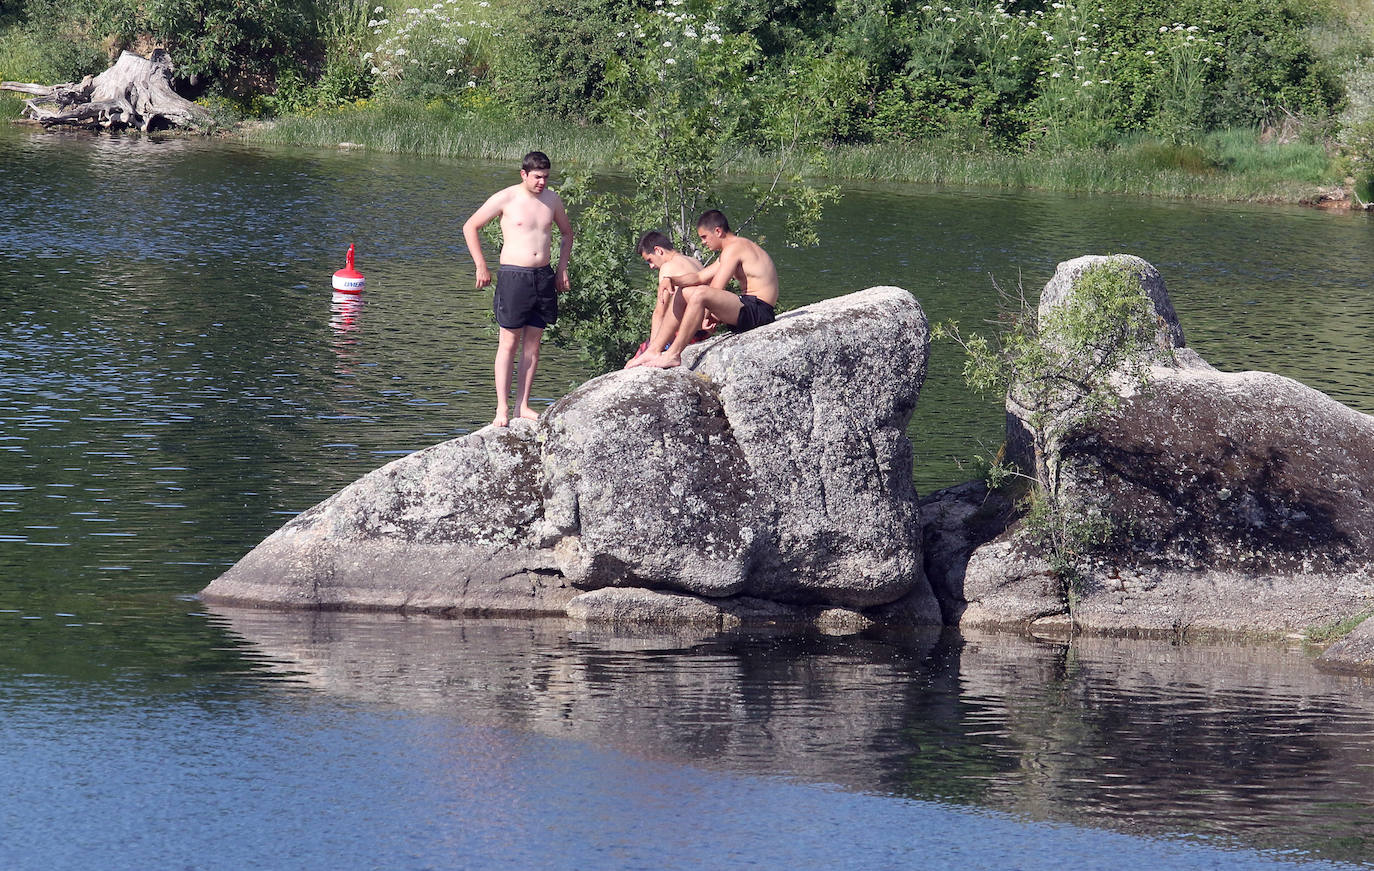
(646, 486)
(1238, 502)
(421, 533)
(772, 466)
(818, 404)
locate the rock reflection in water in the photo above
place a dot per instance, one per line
(1248, 743)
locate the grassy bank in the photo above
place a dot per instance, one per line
(439, 129)
(1228, 165)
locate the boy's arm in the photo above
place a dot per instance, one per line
(472, 233)
(725, 267)
(565, 243)
(691, 279)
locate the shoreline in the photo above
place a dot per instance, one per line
(1269, 173)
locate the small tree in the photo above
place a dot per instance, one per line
(689, 102)
(1062, 369)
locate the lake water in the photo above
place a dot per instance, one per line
(176, 381)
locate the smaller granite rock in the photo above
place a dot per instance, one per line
(1238, 502)
(1353, 653)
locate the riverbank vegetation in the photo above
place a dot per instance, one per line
(1248, 99)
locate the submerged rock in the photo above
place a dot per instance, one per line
(772, 466)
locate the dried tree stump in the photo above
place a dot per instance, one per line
(135, 92)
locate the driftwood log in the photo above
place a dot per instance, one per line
(135, 92)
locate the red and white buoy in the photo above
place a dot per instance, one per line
(348, 279)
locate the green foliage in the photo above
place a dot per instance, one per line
(434, 51)
(554, 54)
(1067, 534)
(55, 43)
(1357, 129)
(691, 98)
(343, 27)
(1065, 368)
(923, 106)
(1335, 631)
(973, 74)
(606, 313)
(239, 42)
(686, 100)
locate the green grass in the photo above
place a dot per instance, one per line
(1332, 632)
(1226, 165)
(11, 106)
(1230, 165)
(440, 129)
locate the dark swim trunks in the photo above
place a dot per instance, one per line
(525, 297)
(753, 312)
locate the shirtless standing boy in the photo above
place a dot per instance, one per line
(740, 259)
(658, 252)
(527, 288)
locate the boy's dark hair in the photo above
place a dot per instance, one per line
(535, 160)
(713, 220)
(654, 239)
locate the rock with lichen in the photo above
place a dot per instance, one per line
(1234, 501)
(772, 467)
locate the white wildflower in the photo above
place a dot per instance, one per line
(450, 71)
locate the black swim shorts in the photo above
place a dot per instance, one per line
(525, 297)
(753, 312)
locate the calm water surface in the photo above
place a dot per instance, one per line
(176, 381)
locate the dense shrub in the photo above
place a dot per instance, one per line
(975, 73)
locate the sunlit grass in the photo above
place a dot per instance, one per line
(439, 129)
(1228, 165)
(1233, 165)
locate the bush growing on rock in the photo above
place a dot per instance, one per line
(1063, 367)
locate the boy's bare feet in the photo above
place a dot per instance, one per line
(664, 361)
(502, 419)
(529, 413)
